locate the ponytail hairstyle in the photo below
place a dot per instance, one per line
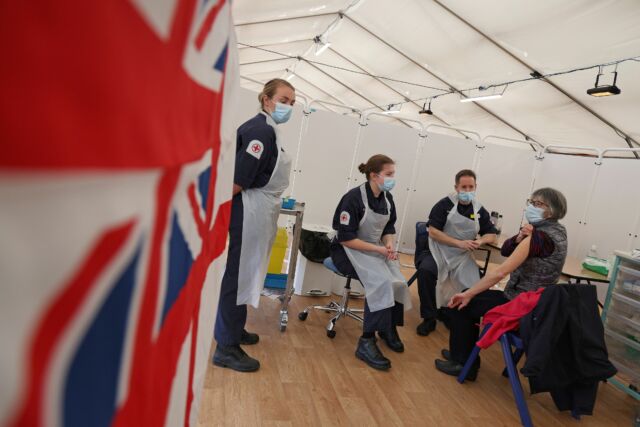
(270, 89)
(375, 164)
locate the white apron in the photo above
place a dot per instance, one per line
(261, 208)
(382, 280)
(457, 268)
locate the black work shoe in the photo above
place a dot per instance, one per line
(392, 339)
(234, 357)
(446, 354)
(426, 327)
(453, 368)
(369, 352)
(249, 338)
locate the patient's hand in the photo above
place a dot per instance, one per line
(460, 300)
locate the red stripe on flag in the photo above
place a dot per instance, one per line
(140, 388)
(205, 28)
(56, 319)
(192, 363)
(195, 210)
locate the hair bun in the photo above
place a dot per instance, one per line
(362, 168)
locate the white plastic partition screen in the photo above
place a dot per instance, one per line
(504, 179)
(506, 171)
(614, 210)
(325, 158)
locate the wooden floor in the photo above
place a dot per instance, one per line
(308, 379)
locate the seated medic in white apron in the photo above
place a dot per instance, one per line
(448, 261)
(364, 248)
(261, 176)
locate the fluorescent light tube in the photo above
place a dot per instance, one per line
(481, 98)
(321, 49)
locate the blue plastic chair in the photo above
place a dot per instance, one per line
(422, 237)
(511, 359)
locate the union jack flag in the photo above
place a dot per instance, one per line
(115, 185)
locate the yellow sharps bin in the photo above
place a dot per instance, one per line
(278, 251)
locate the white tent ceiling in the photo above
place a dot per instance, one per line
(457, 44)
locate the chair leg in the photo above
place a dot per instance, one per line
(514, 380)
(472, 358)
(329, 307)
(468, 364)
(354, 316)
(340, 309)
(517, 355)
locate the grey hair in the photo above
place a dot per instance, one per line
(555, 199)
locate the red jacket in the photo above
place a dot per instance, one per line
(506, 317)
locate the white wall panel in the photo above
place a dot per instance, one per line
(611, 221)
(504, 179)
(325, 159)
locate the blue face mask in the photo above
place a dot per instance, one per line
(533, 214)
(282, 113)
(466, 196)
(388, 184)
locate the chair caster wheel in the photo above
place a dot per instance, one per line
(302, 316)
(331, 334)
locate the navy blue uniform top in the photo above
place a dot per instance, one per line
(256, 153)
(440, 211)
(352, 204)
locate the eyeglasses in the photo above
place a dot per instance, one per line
(537, 203)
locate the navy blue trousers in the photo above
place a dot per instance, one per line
(381, 320)
(231, 317)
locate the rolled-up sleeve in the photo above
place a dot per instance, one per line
(540, 245)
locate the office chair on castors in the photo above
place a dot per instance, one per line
(341, 309)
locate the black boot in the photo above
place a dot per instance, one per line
(446, 354)
(369, 352)
(426, 327)
(234, 357)
(249, 338)
(392, 339)
(453, 368)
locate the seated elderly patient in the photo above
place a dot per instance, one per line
(535, 258)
